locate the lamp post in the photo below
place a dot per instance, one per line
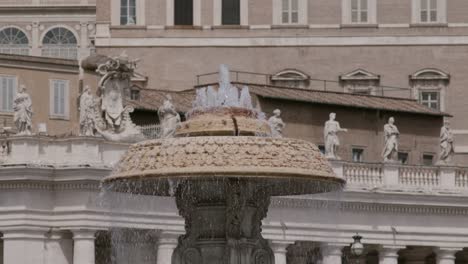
(357, 248)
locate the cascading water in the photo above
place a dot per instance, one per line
(222, 175)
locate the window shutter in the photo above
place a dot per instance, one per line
(56, 98)
(3, 92)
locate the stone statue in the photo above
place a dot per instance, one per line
(332, 142)
(114, 122)
(87, 113)
(446, 144)
(276, 124)
(168, 117)
(22, 106)
(391, 134)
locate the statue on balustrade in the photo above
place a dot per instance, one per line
(113, 120)
(392, 135)
(87, 113)
(168, 117)
(332, 142)
(446, 144)
(22, 105)
(276, 124)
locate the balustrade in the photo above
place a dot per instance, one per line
(419, 176)
(363, 173)
(461, 178)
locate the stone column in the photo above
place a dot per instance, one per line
(280, 249)
(58, 248)
(35, 41)
(446, 255)
(83, 246)
(389, 254)
(167, 242)
(332, 253)
(84, 41)
(24, 246)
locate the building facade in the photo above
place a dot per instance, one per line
(414, 49)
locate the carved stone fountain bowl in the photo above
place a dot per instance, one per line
(277, 166)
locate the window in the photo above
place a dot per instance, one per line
(7, 93)
(428, 11)
(322, 149)
(13, 41)
(290, 11)
(429, 87)
(230, 12)
(127, 12)
(430, 99)
(183, 12)
(359, 11)
(59, 98)
(403, 157)
(428, 159)
(135, 95)
(357, 154)
(60, 43)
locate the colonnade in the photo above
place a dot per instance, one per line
(78, 247)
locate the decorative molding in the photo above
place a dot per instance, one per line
(283, 41)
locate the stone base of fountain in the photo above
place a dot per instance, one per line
(222, 222)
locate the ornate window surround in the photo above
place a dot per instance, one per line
(430, 80)
(371, 13)
(70, 49)
(441, 12)
(360, 81)
(278, 13)
(15, 47)
(291, 76)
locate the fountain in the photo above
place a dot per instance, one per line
(222, 167)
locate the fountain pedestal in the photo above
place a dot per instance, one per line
(223, 223)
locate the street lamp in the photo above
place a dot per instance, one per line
(357, 248)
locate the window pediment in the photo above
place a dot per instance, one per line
(430, 74)
(290, 75)
(359, 75)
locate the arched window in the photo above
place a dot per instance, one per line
(60, 42)
(13, 41)
(429, 87)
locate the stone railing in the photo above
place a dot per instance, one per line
(402, 177)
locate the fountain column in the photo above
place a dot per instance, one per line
(83, 246)
(167, 242)
(279, 250)
(332, 253)
(446, 255)
(389, 255)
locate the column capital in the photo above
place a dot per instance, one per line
(88, 234)
(332, 249)
(389, 252)
(13, 234)
(168, 239)
(446, 253)
(280, 246)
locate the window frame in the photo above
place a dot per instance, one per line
(430, 91)
(128, 15)
(14, 92)
(428, 154)
(346, 15)
(441, 12)
(66, 100)
(407, 153)
(15, 48)
(52, 50)
(302, 9)
(362, 149)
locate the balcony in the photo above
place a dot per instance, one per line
(72, 152)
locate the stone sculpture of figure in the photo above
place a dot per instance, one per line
(87, 113)
(168, 117)
(392, 135)
(276, 124)
(332, 141)
(446, 144)
(22, 106)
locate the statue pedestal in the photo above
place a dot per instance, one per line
(222, 222)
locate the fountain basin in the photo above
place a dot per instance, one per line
(279, 166)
